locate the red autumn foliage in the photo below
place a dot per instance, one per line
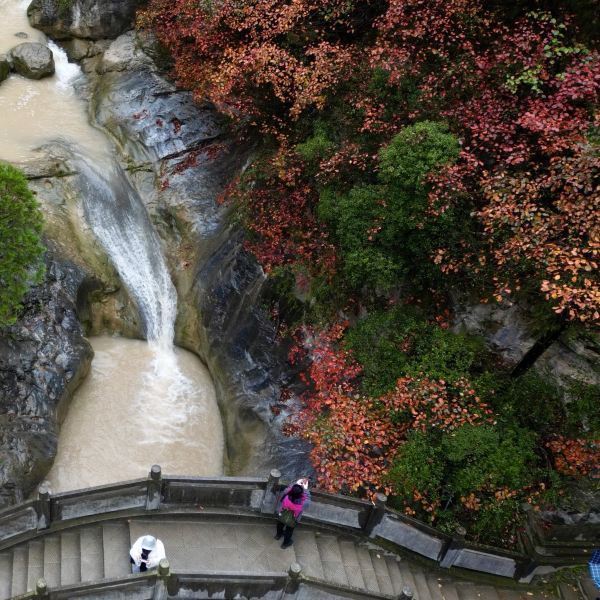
(520, 96)
(355, 438)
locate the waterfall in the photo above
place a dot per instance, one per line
(119, 220)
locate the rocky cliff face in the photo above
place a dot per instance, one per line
(43, 358)
(89, 19)
(180, 158)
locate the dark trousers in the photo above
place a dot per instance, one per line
(286, 530)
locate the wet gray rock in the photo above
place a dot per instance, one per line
(43, 358)
(180, 158)
(90, 19)
(4, 67)
(507, 331)
(124, 53)
(32, 60)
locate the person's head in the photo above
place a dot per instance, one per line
(296, 491)
(304, 481)
(148, 544)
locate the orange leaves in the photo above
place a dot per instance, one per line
(575, 457)
(355, 438)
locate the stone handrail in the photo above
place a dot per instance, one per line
(259, 496)
(163, 582)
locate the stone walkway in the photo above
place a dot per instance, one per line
(100, 551)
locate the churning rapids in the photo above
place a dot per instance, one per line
(143, 402)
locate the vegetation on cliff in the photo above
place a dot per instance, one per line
(413, 148)
(20, 249)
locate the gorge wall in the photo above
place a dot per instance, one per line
(178, 156)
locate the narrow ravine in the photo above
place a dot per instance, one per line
(144, 402)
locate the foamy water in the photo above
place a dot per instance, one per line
(138, 407)
(36, 112)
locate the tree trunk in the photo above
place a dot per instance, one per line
(540, 346)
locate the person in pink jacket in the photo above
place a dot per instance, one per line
(293, 501)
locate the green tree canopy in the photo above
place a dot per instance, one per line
(20, 247)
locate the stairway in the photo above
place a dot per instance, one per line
(361, 565)
(100, 551)
(84, 554)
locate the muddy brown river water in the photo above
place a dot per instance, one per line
(143, 402)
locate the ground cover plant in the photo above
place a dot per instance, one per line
(412, 150)
(20, 249)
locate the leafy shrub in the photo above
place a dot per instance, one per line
(418, 467)
(583, 410)
(532, 401)
(316, 147)
(21, 250)
(487, 458)
(398, 342)
(473, 475)
(383, 230)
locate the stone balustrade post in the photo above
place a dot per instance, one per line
(44, 508)
(406, 594)
(376, 515)
(295, 575)
(154, 488)
(164, 568)
(269, 500)
(456, 544)
(41, 588)
(163, 581)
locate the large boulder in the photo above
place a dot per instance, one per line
(32, 60)
(43, 357)
(89, 19)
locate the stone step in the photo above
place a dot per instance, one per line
(19, 571)
(569, 592)
(448, 590)
(487, 591)
(367, 569)
(395, 575)
(467, 591)
(307, 553)
(407, 576)
(35, 563)
(589, 589)
(381, 572)
(421, 588)
(115, 544)
(351, 564)
(5, 575)
(70, 558)
(52, 560)
(435, 587)
(92, 554)
(331, 559)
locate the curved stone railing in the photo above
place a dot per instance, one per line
(163, 583)
(258, 496)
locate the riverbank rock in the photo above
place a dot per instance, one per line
(4, 67)
(89, 19)
(43, 358)
(32, 60)
(179, 156)
(60, 187)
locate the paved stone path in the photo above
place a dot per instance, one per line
(101, 551)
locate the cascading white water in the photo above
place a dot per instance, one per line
(143, 403)
(120, 222)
